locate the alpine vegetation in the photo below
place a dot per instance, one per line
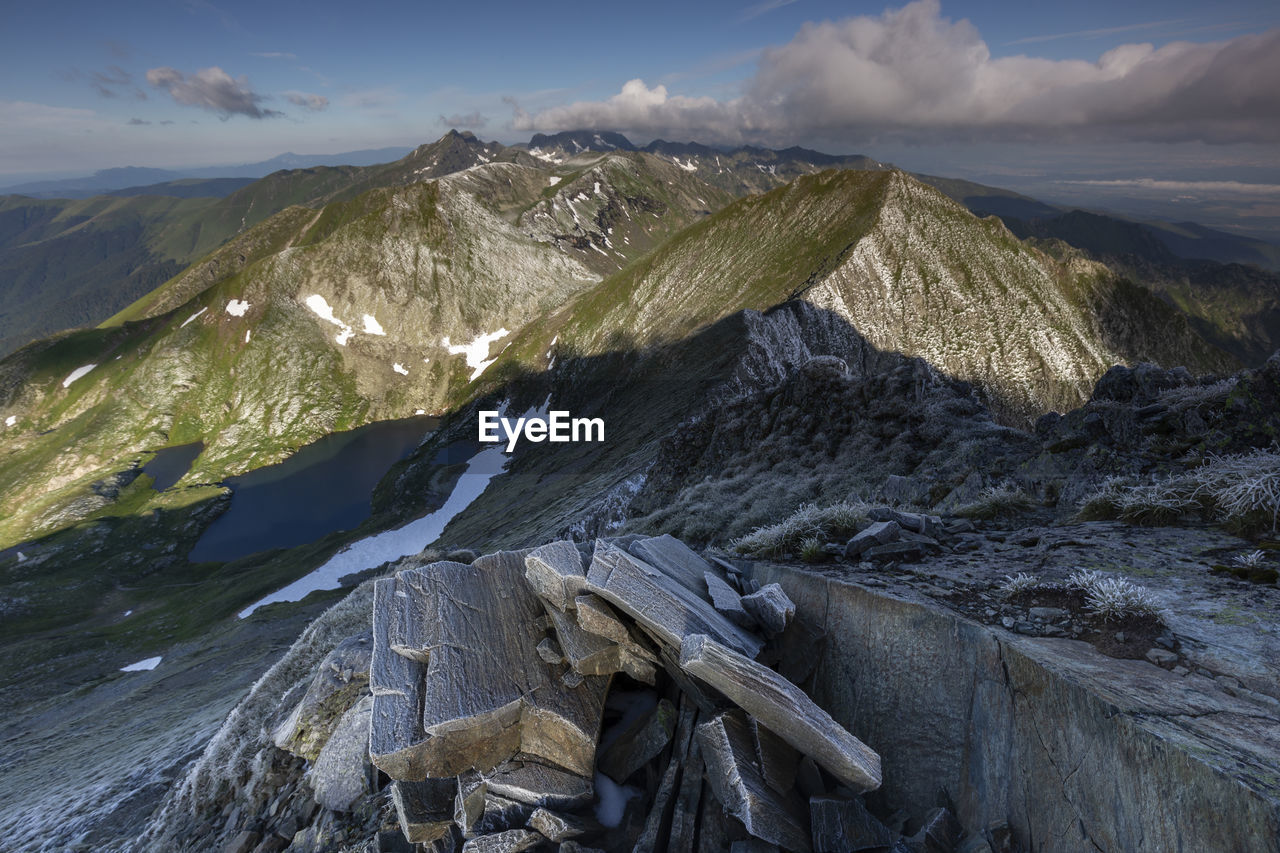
(829, 523)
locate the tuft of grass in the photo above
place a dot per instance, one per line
(810, 521)
(1240, 491)
(1003, 501)
(1243, 488)
(811, 550)
(1252, 560)
(1114, 599)
(1019, 583)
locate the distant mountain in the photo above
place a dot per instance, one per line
(107, 180)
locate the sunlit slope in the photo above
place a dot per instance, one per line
(910, 270)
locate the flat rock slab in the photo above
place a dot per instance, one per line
(555, 826)
(486, 694)
(592, 654)
(771, 608)
(726, 599)
(556, 572)
(661, 605)
(676, 560)
(424, 809)
(539, 785)
(728, 750)
(878, 533)
(511, 841)
(783, 708)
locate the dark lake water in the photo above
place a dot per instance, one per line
(325, 486)
(171, 464)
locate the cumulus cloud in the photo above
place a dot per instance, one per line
(311, 103)
(466, 121)
(911, 74)
(212, 89)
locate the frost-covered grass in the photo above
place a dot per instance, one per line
(1003, 501)
(1240, 491)
(1019, 583)
(1112, 598)
(811, 550)
(1252, 560)
(809, 522)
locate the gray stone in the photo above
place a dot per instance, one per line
(784, 708)
(656, 820)
(592, 654)
(511, 841)
(878, 533)
(338, 682)
(778, 760)
(639, 743)
(771, 608)
(243, 842)
(727, 749)
(1162, 657)
(676, 560)
(1048, 614)
(549, 650)
(340, 776)
(556, 572)
(575, 847)
(478, 811)
(726, 599)
(554, 826)
(939, 833)
(537, 784)
(843, 825)
(424, 809)
(666, 609)
(483, 701)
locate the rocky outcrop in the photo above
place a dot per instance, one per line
(490, 680)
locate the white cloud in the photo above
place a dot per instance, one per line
(911, 74)
(309, 102)
(212, 89)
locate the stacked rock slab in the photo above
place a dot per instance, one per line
(489, 681)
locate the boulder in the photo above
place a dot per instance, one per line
(482, 701)
(336, 686)
(556, 572)
(554, 826)
(340, 777)
(878, 533)
(725, 742)
(726, 599)
(665, 608)
(771, 608)
(424, 809)
(783, 708)
(676, 560)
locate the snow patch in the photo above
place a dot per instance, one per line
(77, 373)
(11, 420)
(22, 558)
(400, 368)
(477, 352)
(372, 326)
(419, 411)
(321, 309)
(247, 333)
(126, 613)
(142, 665)
(237, 307)
(400, 542)
(552, 181)
(597, 191)
(688, 167)
(611, 800)
(192, 317)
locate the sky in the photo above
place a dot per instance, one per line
(1163, 91)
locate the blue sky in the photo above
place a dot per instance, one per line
(91, 85)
